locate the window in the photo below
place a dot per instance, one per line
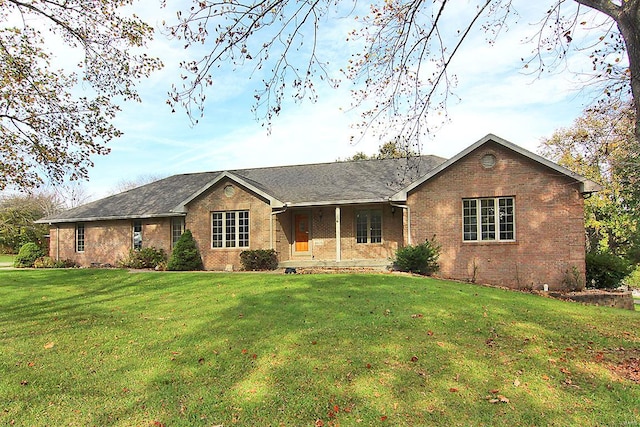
(369, 226)
(79, 237)
(488, 219)
(177, 228)
(230, 229)
(137, 235)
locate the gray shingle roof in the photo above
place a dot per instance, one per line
(302, 185)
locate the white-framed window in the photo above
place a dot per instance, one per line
(488, 219)
(369, 226)
(177, 228)
(137, 234)
(79, 237)
(230, 229)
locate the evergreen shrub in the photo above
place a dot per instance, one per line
(605, 270)
(185, 255)
(420, 259)
(28, 254)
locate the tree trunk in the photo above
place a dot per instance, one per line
(627, 18)
(630, 29)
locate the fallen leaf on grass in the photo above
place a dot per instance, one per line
(453, 390)
(416, 316)
(49, 345)
(516, 383)
(499, 399)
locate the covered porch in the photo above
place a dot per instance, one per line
(363, 235)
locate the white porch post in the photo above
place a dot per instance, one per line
(338, 250)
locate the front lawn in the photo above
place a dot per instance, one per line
(6, 260)
(112, 348)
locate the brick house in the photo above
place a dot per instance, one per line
(502, 214)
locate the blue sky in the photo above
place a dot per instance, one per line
(496, 96)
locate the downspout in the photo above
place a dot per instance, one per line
(57, 242)
(338, 242)
(273, 213)
(408, 209)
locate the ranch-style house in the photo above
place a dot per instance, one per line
(502, 215)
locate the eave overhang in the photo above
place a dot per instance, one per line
(106, 218)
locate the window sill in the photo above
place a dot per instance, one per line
(489, 242)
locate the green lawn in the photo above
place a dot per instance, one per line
(111, 348)
(6, 260)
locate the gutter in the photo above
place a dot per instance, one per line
(107, 218)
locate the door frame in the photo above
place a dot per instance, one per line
(294, 231)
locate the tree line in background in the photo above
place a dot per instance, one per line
(601, 145)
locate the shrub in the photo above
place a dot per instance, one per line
(259, 259)
(633, 279)
(29, 253)
(421, 259)
(605, 270)
(44, 262)
(144, 258)
(572, 280)
(48, 262)
(185, 255)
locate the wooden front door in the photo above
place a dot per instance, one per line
(301, 231)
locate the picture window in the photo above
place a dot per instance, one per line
(488, 219)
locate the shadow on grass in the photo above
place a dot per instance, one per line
(358, 349)
(185, 350)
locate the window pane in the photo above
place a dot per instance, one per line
(361, 227)
(217, 227)
(177, 228)
(506, 218)
(488, 218)
(137, 234)
(230, 230)
(243, 229)
(80, 238)
(376, 227)
(470, 219)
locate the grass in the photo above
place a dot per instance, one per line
(110, 348)
(6, 260)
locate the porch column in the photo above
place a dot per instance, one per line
(338, 251)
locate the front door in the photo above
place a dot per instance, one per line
(301, 231)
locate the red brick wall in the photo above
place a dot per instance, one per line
(198, 220)
(106, 242)
(549, 223)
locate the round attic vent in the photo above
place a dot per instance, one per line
(488, 161)
(229, 191)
